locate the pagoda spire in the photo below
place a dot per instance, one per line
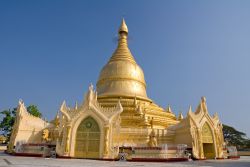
(122, 51)
(123, 27)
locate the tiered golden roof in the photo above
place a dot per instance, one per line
(121, 75)
(123, 79)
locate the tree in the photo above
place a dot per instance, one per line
(8, 119)
(235, 137)
(33, 110)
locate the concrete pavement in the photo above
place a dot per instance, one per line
(14, 161)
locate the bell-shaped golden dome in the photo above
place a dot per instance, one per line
(121, 76)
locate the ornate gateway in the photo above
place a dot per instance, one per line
(87, 139)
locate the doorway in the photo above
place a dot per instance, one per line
(208, 143)
(208, 149)
(87, 143)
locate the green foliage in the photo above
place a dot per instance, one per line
(33, 110)
(8, 119)
(235, 138)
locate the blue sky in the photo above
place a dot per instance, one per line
(51, 51)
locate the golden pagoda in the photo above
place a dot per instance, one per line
(119, 115)
(123, 79)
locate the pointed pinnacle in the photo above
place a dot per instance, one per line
(123, 27)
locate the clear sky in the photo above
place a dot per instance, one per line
(51, 51)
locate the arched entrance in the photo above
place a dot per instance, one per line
(87, 139)
(208, 143)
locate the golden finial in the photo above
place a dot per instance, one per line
(123, 27)
(122, 51)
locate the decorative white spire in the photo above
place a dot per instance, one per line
(63, 106)
(180, 116)
(76, 106)
(204, 104)
(190, 109)
(119, 106)
(169, 109)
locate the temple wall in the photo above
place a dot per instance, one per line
(26, 129)
(183, 136)
(30, 130)
(140, 137)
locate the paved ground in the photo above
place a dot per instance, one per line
(12, 161)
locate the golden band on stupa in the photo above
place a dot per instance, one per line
(119, 119)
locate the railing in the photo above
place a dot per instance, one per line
(232, 151)
(163, 152)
